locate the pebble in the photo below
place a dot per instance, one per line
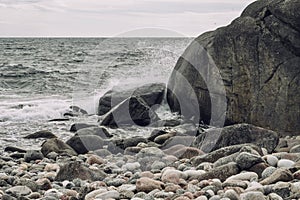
(280, 174)
(246, 160)
(252, 196)
(145, 184)
(249, 176)
(285, 163)
(231, 194)
(274, 196)
(19, 191)
(268, 172)
(271, 160)
(113, 194)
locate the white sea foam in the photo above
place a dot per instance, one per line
(39, 109)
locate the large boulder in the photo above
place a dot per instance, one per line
(132, 111)
(57, 146)
(151, 93)
(85, 143)
(257, 59)
(216, 138)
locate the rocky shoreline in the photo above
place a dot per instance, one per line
(182, 158)
(145, 170)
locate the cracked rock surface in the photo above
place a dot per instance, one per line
(258, 57)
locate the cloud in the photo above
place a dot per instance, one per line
(108, 18)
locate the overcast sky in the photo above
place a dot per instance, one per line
(114, 17)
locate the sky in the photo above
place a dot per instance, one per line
(111, 18)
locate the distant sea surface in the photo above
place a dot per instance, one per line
(40, 78)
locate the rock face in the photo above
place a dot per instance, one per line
(217, 138)
(133, 110)
(151, 93)
(258, 58)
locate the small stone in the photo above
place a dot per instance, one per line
(252, 196)
(193, 174)
(297, 175)
(145, 184)
(274, 196)
(202, 197)
(44, 184)
(259, 168)
(231, 194)
(280, 174)
(158, 165)
(171, 175)
(222, 172)
(285, 163)
(113, 194)
(271, 160)
(40, 134)
(92, 195)
(171, 187)
(295, 149)
(244, 176)
(282, 189)
(246, 160)
(267, 172)
(255, 186)
(95, 159)
(33, 155)
(18, 191)
(76, 169)
(295, 187)
(51, 167)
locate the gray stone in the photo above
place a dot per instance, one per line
(222, 172)
(33, 155)
(85, 143)
(216, 138)
(132, 111)
(19, 191)
(151, 93)
(75, 169)
(280, 174)
(98, 131)
(57, 146)
(252, 196)
(268, 172)
(246, 160)
(246, 55)
(40, 134)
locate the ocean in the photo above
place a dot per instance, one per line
(40, 78)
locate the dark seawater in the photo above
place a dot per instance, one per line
(41, 77)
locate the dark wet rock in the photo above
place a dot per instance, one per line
(57, 146)
(223, 172)
(223, 152)
(151, 93)
(85, 143)
(163, 138)
(132, 111)
(77, 126)
(59, 120)
(33, 155)
(41, 134)
(259, 168)
(14, 149)
(155, 133)
(167, 123)
(98, 131)
(75, 169)
(246, 160)
(252, 54)
(133, 141)
(217, 138)
(17, 155)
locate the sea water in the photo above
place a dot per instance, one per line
(40, 78)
